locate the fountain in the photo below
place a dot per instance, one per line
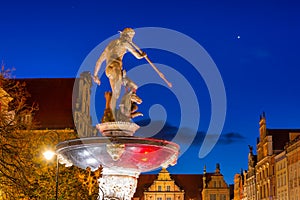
(121, 155)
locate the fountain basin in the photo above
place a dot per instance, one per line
(128, 153)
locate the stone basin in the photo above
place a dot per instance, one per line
(129, 153)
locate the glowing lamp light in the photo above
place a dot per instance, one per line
(49, 154)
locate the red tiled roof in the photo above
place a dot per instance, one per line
(54, 98)
(192, 184)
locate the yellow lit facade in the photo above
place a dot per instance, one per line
(4, 100)
(250, 189)
(164, 188)
(215, 187)
(264, 168)
(281, 176)
(238, 187)
(276, 174)
(293, 158)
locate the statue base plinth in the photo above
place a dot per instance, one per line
(111, 129)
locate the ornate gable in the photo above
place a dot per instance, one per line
(163, 188)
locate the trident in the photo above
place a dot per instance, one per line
(152, 65)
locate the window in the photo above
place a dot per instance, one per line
(159, 198)
(26, 119)
(169, 198)
(213, 197)
(222, 196)
(159, 188)
(168, 188)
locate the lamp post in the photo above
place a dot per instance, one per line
(49, 156)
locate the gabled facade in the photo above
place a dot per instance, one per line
(264, 170)
(215, 187)
(164, 188)
(271, 143)
(276, 174)
(250, 179)
(182, 186)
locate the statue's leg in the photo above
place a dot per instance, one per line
(115, 79)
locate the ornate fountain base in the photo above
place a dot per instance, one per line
(122, 156)
(115, 184)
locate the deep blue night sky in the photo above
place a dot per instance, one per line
(254, 44)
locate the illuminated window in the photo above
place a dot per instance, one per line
(26, 119)
(213, 197)
(223, 197)
(168, 188)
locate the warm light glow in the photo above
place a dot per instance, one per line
(49, 154)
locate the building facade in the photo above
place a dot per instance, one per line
(214, 186)
(293, 168)
(164, 188)
(264, 167)
(275, 175)
(238, 186)
(281, 174)
(249, 177)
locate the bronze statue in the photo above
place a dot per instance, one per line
(113, 55)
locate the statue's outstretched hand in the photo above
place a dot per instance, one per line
(96, 80)
(143, 55)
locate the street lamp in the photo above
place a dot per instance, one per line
(49, 155)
